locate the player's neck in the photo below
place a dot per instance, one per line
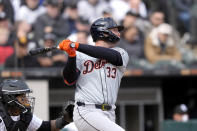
(104, 44)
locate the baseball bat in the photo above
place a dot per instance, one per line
(42, 50)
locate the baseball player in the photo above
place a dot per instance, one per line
(97, 72)
(16, 107)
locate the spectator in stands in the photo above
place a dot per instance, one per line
(5, 23)
(130, 19)
(91, 9)
(156, 18)
(161, 5)
(20, 58)
(7, 37)
(71, 14)
(52, 59)
(160, 45)
(118, 12)
(124, 6)
(184, 9)
(82, 25)
(24, 30)
(26, 17)
(16, 4)
(29, 12)
(139, 7)
(133, 42)
(6, 49)
(133, 19)
(51, 22)
(82, 37)
(180, 113)
(107, 12)
(6, 6)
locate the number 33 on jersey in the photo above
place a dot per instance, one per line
(103, 78)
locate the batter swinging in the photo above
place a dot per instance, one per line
(97, 72)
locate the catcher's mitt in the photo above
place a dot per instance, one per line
(67, 112)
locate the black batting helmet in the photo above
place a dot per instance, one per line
(100, 30)
(10, 89)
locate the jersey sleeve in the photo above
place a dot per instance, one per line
(124, 55)
(34, 124)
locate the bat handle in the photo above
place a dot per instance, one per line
(72, 45)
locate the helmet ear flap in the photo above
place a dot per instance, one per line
(102, 35)
(105, 33)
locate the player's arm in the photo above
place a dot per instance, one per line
(59, 123)
(53, 125)
(70, 71)
(108, 54)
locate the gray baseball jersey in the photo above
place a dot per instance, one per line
(99, 80)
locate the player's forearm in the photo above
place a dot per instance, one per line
(70, 72)
(110, 55)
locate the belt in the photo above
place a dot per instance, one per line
(104, 107)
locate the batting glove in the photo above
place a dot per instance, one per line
(69, 46)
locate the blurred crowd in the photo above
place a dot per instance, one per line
(158, 33)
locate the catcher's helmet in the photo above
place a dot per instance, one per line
(100, 30)
(10, 89)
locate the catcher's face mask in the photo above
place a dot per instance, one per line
(20, 103)
(26, 100)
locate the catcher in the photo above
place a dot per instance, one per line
(16, 108)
